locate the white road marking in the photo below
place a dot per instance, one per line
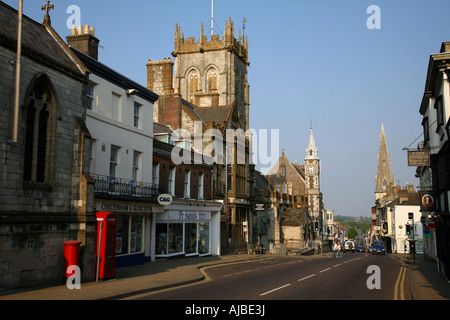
(312, 275)
(286, 285)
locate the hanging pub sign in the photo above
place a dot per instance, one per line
(427, 201)
(259, 207)
(419, 158)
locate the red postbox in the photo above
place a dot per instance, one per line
(106, 245)
(71, 255)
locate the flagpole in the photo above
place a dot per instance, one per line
(212, 17)
(17, 88)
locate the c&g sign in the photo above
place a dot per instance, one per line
(164, 199)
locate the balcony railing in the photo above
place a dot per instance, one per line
(125, 188)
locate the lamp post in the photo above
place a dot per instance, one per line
(411, 217)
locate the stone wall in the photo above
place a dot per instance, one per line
(35, 218)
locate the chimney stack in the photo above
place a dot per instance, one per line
(159, 76)
(84, 40)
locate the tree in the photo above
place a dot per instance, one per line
(352, 233)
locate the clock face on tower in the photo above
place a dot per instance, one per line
(311, 169)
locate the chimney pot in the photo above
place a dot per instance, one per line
(84, 40)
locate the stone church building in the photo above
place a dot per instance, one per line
(297, 201)
(207, 85)
(46, 195)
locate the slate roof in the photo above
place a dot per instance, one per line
(105, 72)
(213, 114)
(191, 109)
(39, 41)
(161, 129)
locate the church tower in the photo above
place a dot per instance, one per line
(312, 177)
(214, 72)
(208, 81)
(384, 177)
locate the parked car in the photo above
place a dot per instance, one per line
(349, 246)
(369, 249)
(378, 248)
(360, 249)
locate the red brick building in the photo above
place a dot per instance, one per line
(190, 224)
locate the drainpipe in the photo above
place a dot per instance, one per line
(17, 88)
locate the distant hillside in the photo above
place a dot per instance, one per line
(359, 223)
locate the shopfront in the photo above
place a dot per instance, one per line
(147, 231)
(133, 230)
(182, 231)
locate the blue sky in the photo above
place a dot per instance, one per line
(309, 59)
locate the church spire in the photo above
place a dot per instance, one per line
(311, 151)
(384, 177)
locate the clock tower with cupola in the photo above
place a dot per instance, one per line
(312, 178)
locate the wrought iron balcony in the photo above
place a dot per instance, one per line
(124, 188)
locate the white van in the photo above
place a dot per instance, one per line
(349, 246)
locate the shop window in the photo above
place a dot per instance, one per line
(136, 235)
(122, 234)
(182, 237)
(190, 238)
(161, 238)
(175, 242)
(203, 237)
(130, 234)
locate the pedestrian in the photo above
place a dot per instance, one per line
(338, 249)
(334, 249)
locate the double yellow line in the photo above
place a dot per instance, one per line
(399, 292)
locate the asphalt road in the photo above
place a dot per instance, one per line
(355, 276)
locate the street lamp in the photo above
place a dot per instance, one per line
(411, 217)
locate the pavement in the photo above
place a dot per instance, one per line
(426, 282)
(425, 279)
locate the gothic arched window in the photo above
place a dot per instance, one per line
(40, 125)
(193, 80)
(211, 76)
